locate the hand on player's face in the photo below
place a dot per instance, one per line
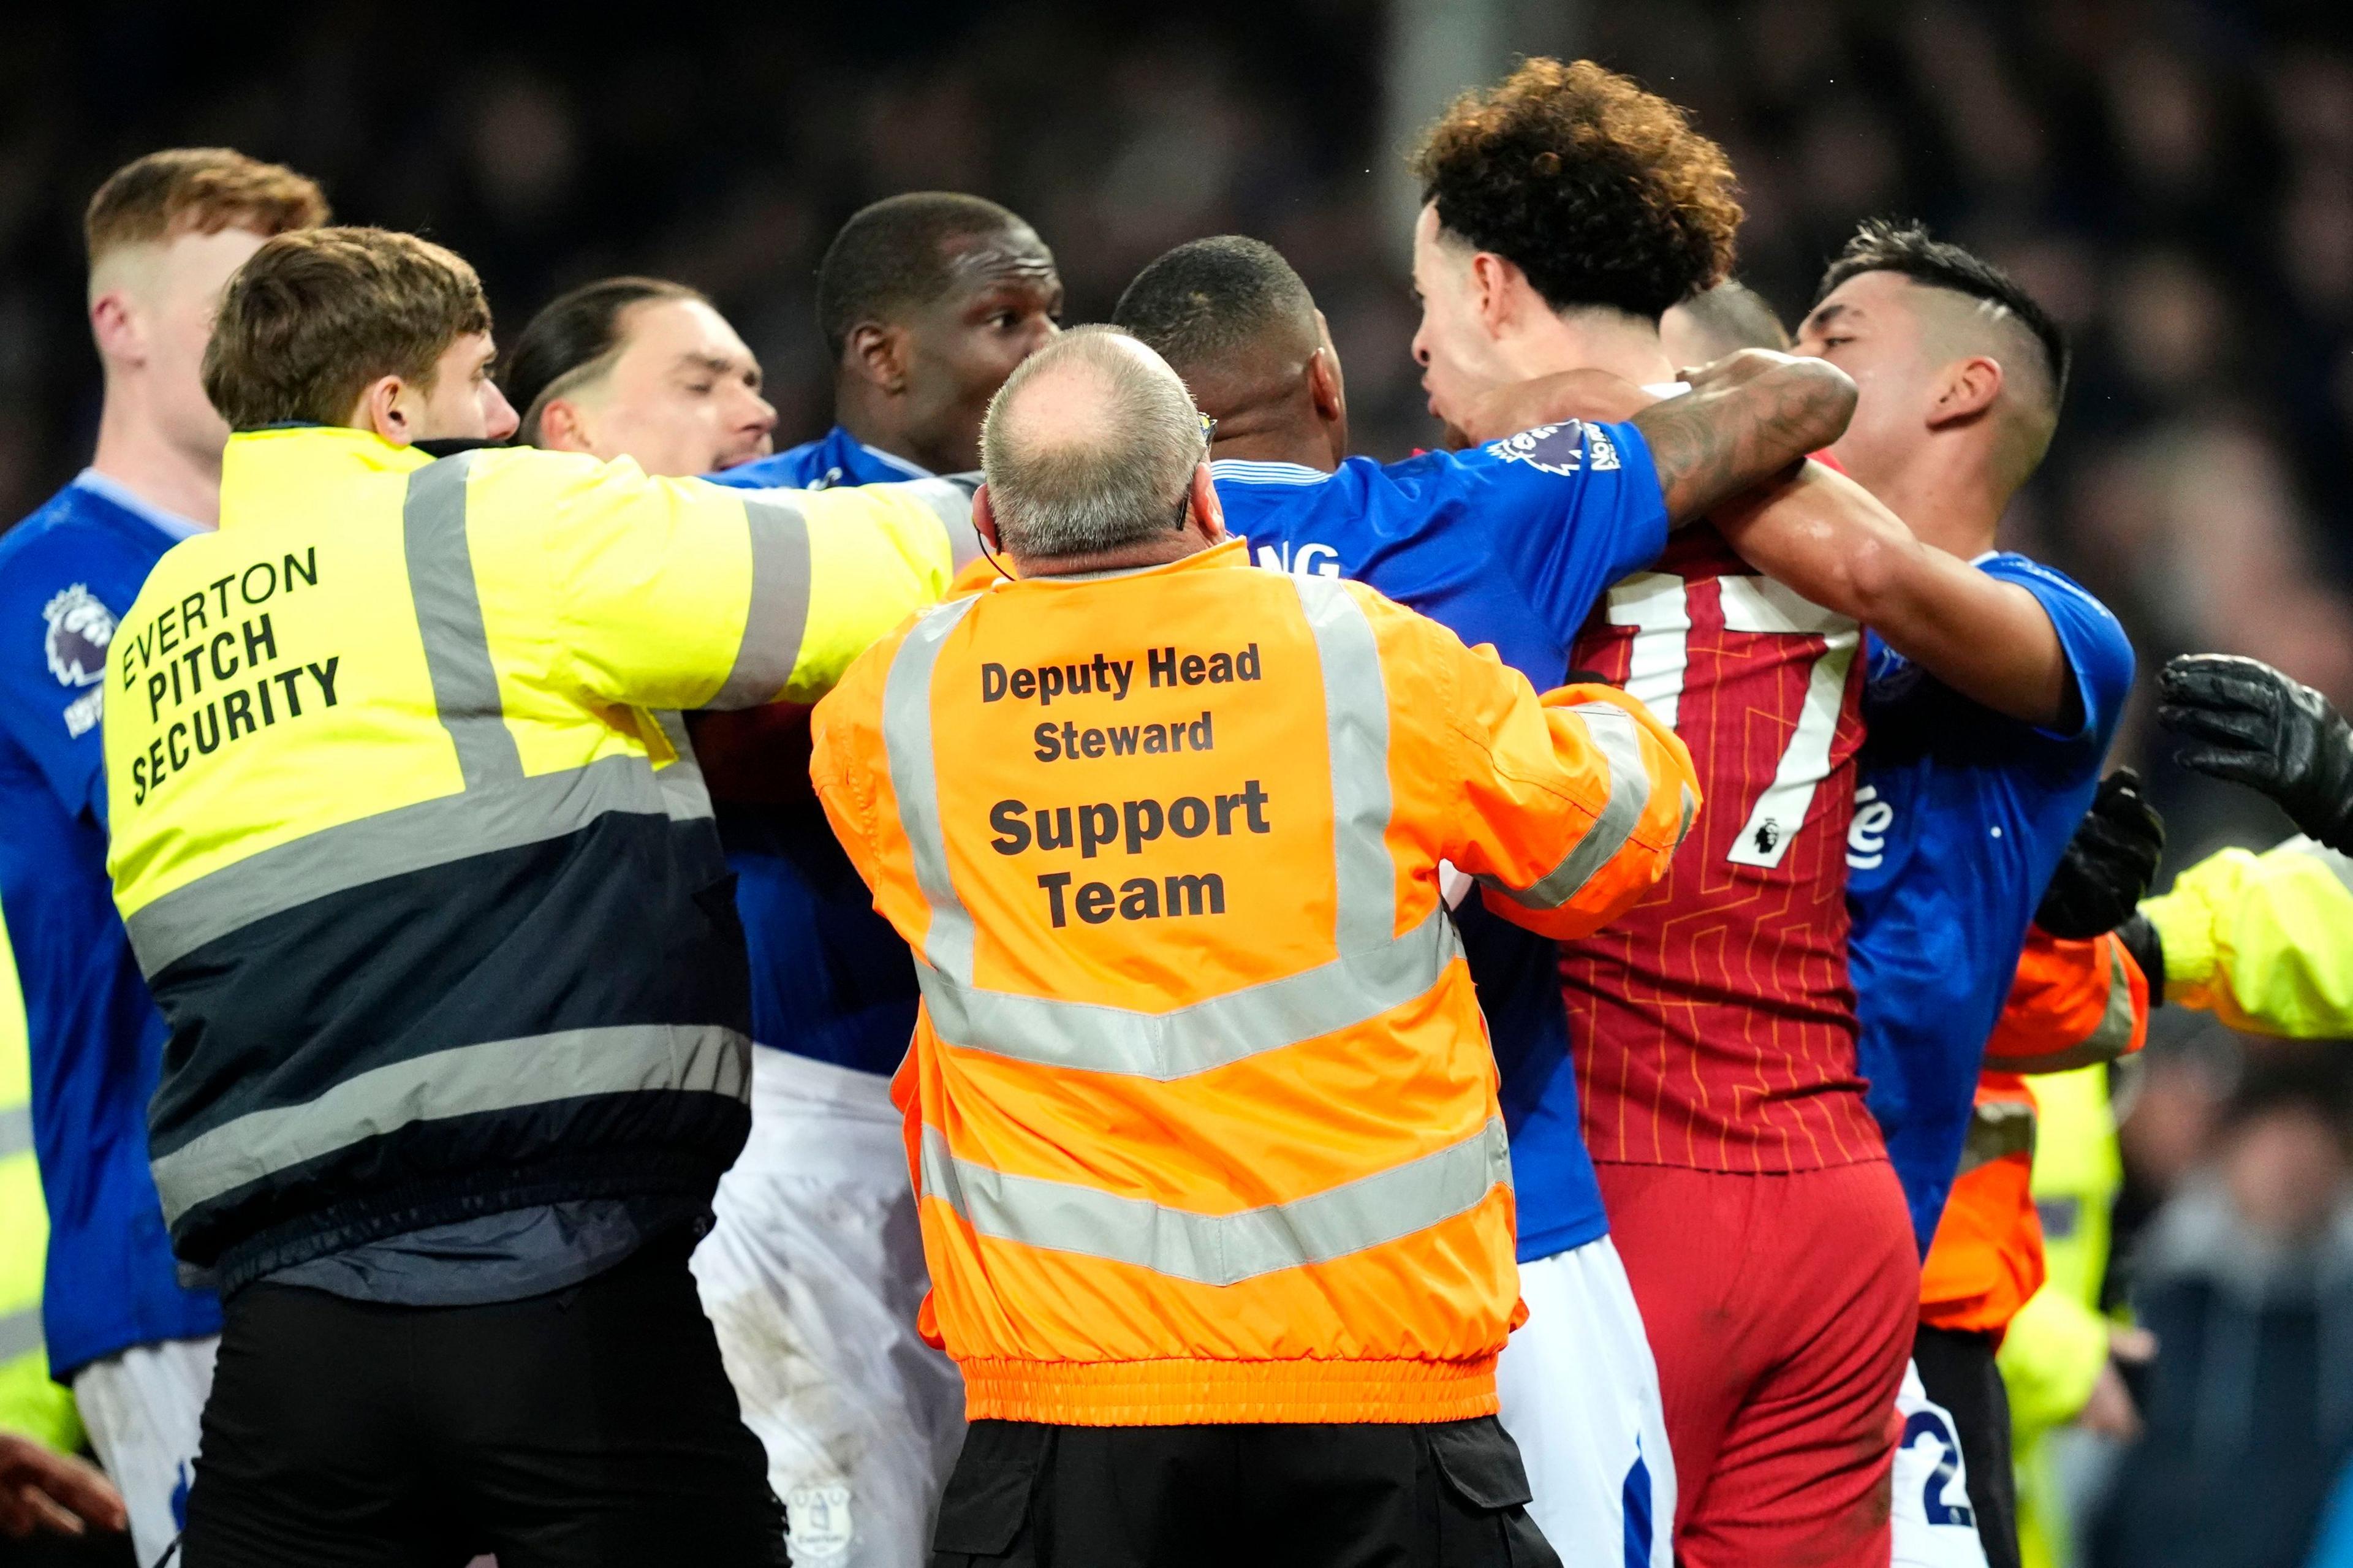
(683, 397)
(1008, 305)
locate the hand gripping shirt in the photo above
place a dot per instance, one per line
(1509, 544)
(1960, 818)
(68, 574)
(830, 979)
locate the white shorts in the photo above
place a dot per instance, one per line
(1581, 1396)
(1934, 1525)
(145, 1409)
(812, 1278)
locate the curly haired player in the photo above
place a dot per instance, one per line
(1765, 1349)
(1748, 1191)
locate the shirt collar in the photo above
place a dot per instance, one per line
(268, 460)
(888, 459)
(1230, 552)
(170, 524)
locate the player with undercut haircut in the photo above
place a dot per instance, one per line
(1777, 1431)
(164, 234)
(1748, 1190)
(926, 301)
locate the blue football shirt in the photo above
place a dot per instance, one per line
(830, 979)
(838, 458)
(1512, 543)
(1962, 816)
(67, 573)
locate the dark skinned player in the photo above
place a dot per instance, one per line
(926, 301)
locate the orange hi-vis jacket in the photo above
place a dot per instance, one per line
(1200, 1106)
(2072, 1005)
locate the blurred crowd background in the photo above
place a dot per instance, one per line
(2174, 179)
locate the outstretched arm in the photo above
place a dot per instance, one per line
(1831, 540)
(1748, 418)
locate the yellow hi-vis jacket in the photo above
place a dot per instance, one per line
(2262, 941)
(428, 892)
(1200, 1106)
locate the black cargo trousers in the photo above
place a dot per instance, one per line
(589, 1427)
(1448, 1494)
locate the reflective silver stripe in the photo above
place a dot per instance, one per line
(1376, 970)
(1356, 731)
(20, 1334)
(950, 499)
(1220, 1249)
(496, 1075)
(2107, 1040)
(406, 838)
(449, 606)
(1351, 990)
(16, 1132)
(779, 613)
(1998, 1129)
(2116, 1029)
(1619, 739)
(684, 794)
(907, 737)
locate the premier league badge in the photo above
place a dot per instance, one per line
(80, 630)
(1565, 448)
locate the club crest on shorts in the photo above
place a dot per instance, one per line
(1565, 448)
(816, 1521)
(79, 628)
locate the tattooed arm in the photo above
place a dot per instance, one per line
(1749, 417)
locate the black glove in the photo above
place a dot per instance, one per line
(2252, 725)
(2148, 948)
(2108, 865)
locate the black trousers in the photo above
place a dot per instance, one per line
(1957, 1369)
(1449, 1495)
(593, 1425)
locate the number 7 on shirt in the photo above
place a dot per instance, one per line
(1657, 604)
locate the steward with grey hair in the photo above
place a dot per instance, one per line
(1093, 449)
(1151, 1287)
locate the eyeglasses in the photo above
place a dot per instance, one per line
(1209, 440)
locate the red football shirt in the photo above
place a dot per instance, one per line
(1713, 1024)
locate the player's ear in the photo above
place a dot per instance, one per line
(384, 407)
(1966, 388)
(1491, 278)
(564, 427)
(1323, 386)
(878, 353)
(984, 519)
(1207, 513)
(114, 323)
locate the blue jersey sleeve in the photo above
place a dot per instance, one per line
(52, 681)
(2099, 656)
(1573, 508)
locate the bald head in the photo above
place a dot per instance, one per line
(1089, 448)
